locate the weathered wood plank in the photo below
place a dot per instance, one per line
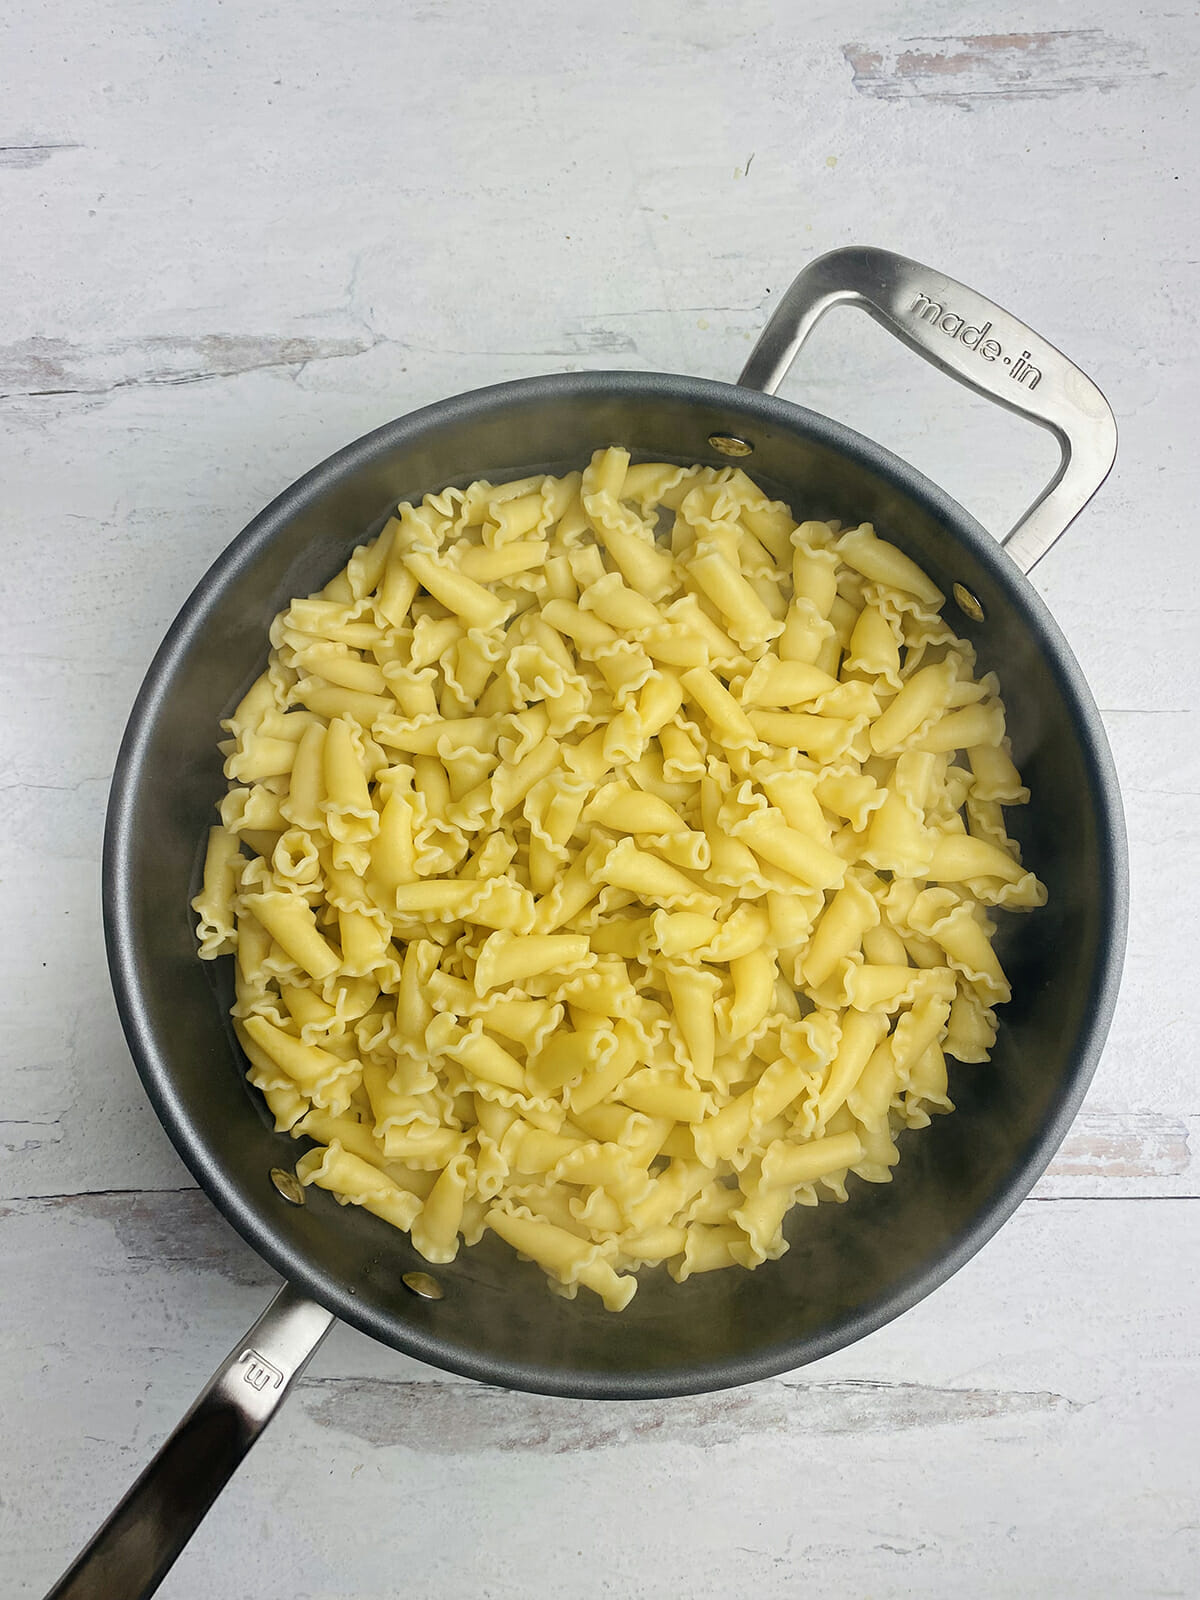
(1108, 1155)
(233, 243)
(994, 1441)
(997, 66)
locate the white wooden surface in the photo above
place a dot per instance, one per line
(236, 236)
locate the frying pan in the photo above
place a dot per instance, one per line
(850, 1268)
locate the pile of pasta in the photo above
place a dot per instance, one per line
(610, 863)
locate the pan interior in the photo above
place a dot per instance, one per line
(849, 1267)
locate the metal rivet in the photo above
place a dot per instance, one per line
(421, 1283)
(728, 444)
(968, 603)
(289, 1185)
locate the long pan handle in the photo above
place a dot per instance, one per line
(969, 338)
(132, 1553)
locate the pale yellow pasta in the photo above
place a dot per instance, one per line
(356, 1182)
(725, 718)
(435, 1228)
(566, 1258)
(325, 1078)
(840, 931)
(612, 863)
(291, 922)
(746, 617)
(785, 1164)
(223, 861)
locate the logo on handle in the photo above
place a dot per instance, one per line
(258, 1371)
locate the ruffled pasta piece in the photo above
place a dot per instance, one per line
(760, 1218)
(652, 879)
(985, 870)
(784, 684)
(971, 1028)
(340, 666)
(216, 929)
(507, 958)
(500, 902)
(883, 563)
(353, 1181)
(589, 1064)
(627, 810)
(660, 1092)
(839, 932)
(649, 484)
(879, 1155)
(604, 991)
(962, 729)
(326, 1079)
(985, 820)
(429, 735)
(287, 1103)
(251, 710)
(874, 648)
(626, 538)
(824, 739)
(292, 924)
(753, 976)
(618, 1170)
(624, 608)
(357, 1137)
(871, 1099)
(748, 621)
(321, 1020)
(529, 1023)
(435, 1228)
(725, 720)
(995, 776)
(329, 700)
(708, 1250)
(850, 794)
(687, 618)
(897, 839)
(800, 856)
(956, 927)
(562, 1255)
(886, 988)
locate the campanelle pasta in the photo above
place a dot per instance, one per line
(611, 863)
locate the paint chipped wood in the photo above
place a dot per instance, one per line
(46, 367)
(227, 253)
(1108, 1154)
(929, 1441)
(996, 66)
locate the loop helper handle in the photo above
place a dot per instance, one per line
(969, 338)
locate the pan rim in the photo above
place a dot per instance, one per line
(151, 1058)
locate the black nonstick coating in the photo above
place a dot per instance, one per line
(850, 1268)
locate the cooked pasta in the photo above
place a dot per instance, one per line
(611, 863)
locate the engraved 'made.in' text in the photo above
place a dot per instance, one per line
(957, 328)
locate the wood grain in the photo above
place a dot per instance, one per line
(235, 239)
(1006, 1401)
(990, 66)
(38, 367)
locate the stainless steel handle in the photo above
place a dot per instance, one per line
(977, 342)
(134, 1550)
